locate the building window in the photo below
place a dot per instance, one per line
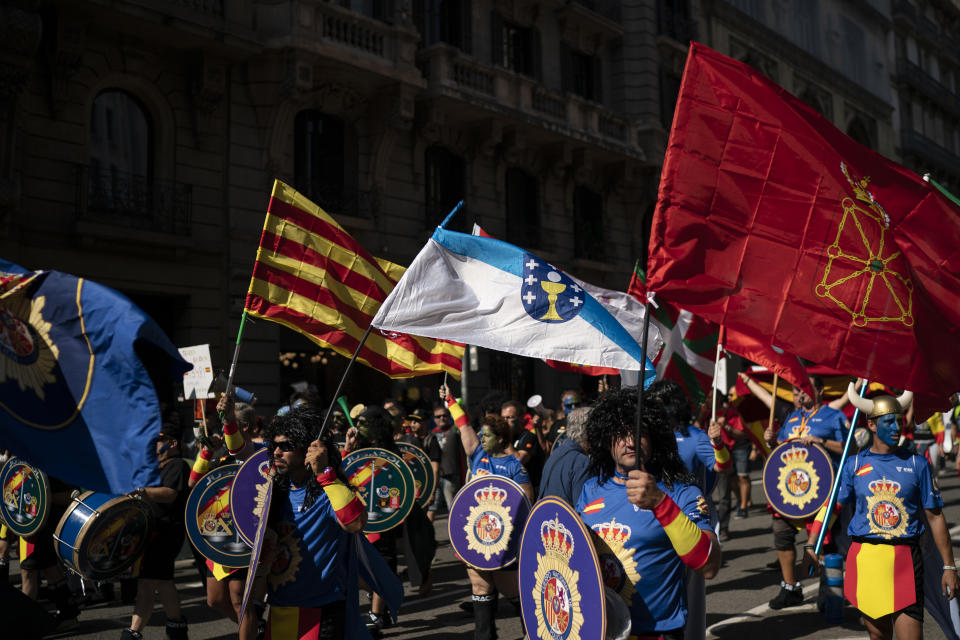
(588, 224)
(581, 73)
(523, 217)
(446, 21)
(445, 181)
(121, 134)
(860, 131)
(669, 92)
(325, 162)
(675, 20)
(515, 47)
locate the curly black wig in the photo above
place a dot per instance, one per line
(671, 396)
(614, 416)
(300, 426)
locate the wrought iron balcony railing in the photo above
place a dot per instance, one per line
(133, 201)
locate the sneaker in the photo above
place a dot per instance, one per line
(741, 514)
(787, 597)
(130, 634)
(378, 622)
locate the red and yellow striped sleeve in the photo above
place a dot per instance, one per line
(233, 438)
(201, 465)
(814, 528)
(460, 417)
(690, 542)
(345, 502)
(722, 456)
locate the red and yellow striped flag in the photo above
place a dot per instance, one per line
(313, 277)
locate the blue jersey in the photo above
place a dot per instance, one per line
(636, 556)
(888, 490)
(697, 454)
(822, 422)
(483, 464)
(311, 567)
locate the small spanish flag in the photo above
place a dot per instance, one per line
(594, 506)
(865, 469)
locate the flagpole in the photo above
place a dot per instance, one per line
(716, 372)
(236, 356)
(640, 381)
(773, 402)
(343, 378)
(836, 481)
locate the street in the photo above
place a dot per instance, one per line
(736, 598)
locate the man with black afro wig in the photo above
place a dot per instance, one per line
(648, 518)
(312, 513)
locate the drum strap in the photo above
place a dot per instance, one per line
(690, 542)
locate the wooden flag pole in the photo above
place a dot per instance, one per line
(773, 402)
(343, 378)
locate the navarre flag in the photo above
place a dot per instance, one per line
(490, 293)
(689, 343)
(774, 223)
(313, 277)
(79, 365)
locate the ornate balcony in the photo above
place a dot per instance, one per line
(132, 201)
(913, 75)
(454, 75)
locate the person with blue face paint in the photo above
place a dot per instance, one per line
(893, 492)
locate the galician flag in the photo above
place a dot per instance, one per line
(487, 292)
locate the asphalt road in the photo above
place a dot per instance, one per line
(736, 599)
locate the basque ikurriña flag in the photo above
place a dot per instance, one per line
(492, 294)
(313, 277)
(772, 222)
(78, 365)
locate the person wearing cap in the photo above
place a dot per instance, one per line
(168, 500)
(893, 492)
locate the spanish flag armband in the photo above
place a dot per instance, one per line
(460, 417)
(345, 502)
(233, 438)
(722, 455)
(201, 465)
(690, 542)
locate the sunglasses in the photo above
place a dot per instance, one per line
(283, 445)
(441, 416)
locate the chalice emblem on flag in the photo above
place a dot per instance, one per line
(866, 275)
(547, 293)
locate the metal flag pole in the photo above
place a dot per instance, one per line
(836, 481)
(716, 372)
(343, 378)
(640, 381)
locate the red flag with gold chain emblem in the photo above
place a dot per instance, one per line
(772, 222)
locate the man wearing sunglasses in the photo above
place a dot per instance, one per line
(313, 511)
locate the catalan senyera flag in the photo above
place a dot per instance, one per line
(313, 277)
(773, 222)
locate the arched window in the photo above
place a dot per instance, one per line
(120, 175)
(326, 161)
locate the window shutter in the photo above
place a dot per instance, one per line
(496, 39)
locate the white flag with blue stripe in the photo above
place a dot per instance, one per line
(487, 292)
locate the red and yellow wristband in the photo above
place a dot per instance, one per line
(345, 502)
(233, 438)
(201, 465)
(690, 542)
(459, 416)
(722, 456)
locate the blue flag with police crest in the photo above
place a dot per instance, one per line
(78, 362)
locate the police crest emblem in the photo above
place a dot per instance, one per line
(485, 522)
(797, 479)
(886, 513)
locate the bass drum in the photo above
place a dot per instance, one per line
(100, 535)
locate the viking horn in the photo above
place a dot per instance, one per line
(905, 399)
(864, 404)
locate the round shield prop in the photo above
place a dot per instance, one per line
(26, 497)
(248, 493)
(101, 535)
(797, 478)
(384, 483)
(209, 522)
(424, 479)
(486, 521)
(561, 589)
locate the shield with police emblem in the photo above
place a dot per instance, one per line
(248, 494)
(209, 523)
(561, 588)
(424, 479)
(26, 497)
(384, 483)
(485, 522)
(797, 478)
